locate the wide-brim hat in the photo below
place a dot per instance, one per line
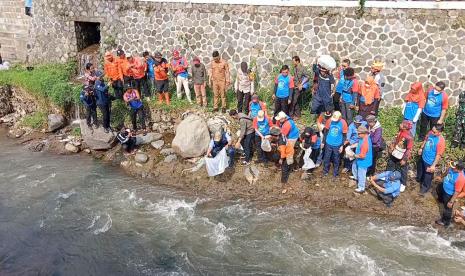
(275, 131)
(371, 118)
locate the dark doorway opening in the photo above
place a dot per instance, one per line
(87, 34)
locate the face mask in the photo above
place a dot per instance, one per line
(197, 65)
(436, 92)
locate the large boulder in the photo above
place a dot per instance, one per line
(192, 137)
(55, 122)
(96, 139)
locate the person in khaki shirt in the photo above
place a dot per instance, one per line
(219, 80)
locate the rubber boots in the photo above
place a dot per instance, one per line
(160, 98)
(167, 98)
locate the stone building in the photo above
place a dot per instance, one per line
(416, 44)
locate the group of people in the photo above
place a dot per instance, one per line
(346, 130)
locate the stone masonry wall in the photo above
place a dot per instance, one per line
(425, 45)
(14, 30)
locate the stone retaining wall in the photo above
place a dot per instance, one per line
(425, 45)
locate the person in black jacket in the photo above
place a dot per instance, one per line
(103, 100)
(88, 100)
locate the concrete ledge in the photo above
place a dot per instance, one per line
(444, 5)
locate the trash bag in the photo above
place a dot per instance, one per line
(218, 164)
(349, 153)
(308, 162)
(327, 62)
(266, 145)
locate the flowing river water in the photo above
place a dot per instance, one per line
(69, 215)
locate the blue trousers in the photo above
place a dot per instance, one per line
(361, 175)
(331, 155)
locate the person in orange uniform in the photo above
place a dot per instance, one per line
(220, 79)
(123, 65)
(368, 101)
(161, 78)
(137, 69)
(114, 74)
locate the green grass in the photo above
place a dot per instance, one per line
(48, 83)
(36, 120)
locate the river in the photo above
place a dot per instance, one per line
(69, 215)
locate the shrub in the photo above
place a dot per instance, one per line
(49, 83)
(36, 120)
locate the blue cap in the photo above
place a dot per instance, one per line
(358, 119)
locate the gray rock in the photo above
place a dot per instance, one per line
(148, 138)
(71, 148)
(141, 157)
(157, 144)
(167, 151)
(55, 122)
(170, 158)
(96, 139)
(192, 137)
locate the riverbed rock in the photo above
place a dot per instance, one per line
(96, 139)
(55, 122)
(16, 133)
(148, 138)
(167, 151)
(158, 144)
(71, 148)
(5, 101)
(141, 157)
(192, 137)
(170, 158)
(251, 174)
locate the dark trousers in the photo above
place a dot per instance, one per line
(130, 145)
(337, 102)
(118, 88)
(294, 109)
(145, 87)
(320, 105)
(285, 171)
(314, 155)
(91, 115)
(138, 85)
(141, 113)
(376, 154)
(426, 124)
(247, 144)
(281, 104)
(425, 178)
(394, 165)
(243, 100)
(387, 199)
(444, 198)
(105, 109)
(258, 144)
(331, 155)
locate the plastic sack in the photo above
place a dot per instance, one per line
(327, 62)
(349, 153)
(308, 162)
(266, 145)
(218, 164)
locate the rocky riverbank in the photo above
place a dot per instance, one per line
(160, 160)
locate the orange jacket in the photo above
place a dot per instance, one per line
(161, 70)
(112, 70)
(137, 68)
(123, 65)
